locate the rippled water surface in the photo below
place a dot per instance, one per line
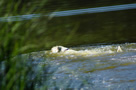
(103, 70)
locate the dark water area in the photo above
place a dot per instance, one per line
(106, 27)
(116, 26)
(61, 5)
(109, 27)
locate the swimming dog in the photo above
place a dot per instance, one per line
(65, 50)
(59, 49)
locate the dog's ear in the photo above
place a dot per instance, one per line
(119, 49)
(59, 49)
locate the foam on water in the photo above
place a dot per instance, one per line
(89, 51)
(91, 67)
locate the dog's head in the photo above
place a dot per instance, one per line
(57, 49)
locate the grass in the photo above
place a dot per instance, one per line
(18, 37)
(15, 71)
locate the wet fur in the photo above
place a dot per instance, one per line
(67, 51)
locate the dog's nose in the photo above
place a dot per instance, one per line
(66, 49)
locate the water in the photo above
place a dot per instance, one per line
(72, 23)
(70, 12)
(99, 71)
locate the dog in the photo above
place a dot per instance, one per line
(61, 49)
(67, 51)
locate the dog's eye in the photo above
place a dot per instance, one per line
(59, 49)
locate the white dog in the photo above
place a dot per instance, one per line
(64, 50)
(60, 49)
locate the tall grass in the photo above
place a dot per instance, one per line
(15, 71)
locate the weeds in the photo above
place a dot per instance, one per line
(15, 72)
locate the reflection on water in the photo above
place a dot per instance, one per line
(70, 12)
(100, 72)
(95, 10)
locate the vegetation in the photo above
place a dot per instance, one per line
(16, 73)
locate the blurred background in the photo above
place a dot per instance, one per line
(36, 25)
(81, 23)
